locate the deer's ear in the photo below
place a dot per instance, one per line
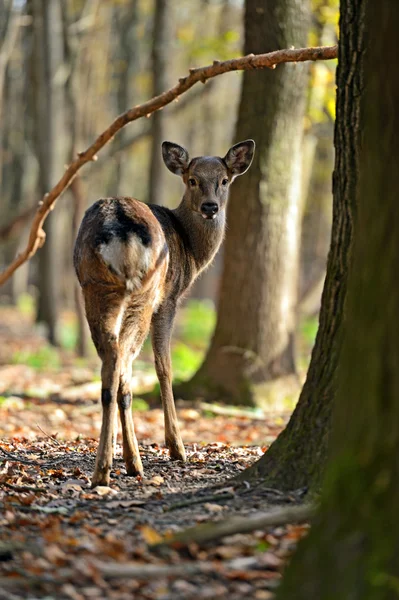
(239, 157)
(175, 158)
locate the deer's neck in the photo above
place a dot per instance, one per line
(205, 235)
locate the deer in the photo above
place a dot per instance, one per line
(134, 263)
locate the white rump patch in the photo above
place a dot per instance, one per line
(113, 254)
(131, 261)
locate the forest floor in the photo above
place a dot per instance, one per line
(61, 539)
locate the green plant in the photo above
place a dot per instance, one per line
(139, 405)
(45, 357)
(185, 360)
(196, 323)
(26, 304)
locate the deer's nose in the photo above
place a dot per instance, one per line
(209, 209)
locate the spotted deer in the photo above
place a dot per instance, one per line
(134, 262)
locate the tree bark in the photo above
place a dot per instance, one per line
(352, 550)
(160, 45)
(253, 341)
(48, 58)
(298, 457)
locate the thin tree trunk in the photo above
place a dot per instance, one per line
(352, 550)
(8, 37)
(254, 338)
(160, 46)
(298, 457)
(127, 54)
(48, 58)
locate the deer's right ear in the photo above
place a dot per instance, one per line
(239, 157)
(175, 158)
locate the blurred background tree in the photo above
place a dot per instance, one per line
(62, 84)
(253, 341)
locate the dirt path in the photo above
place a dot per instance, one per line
(60, 539)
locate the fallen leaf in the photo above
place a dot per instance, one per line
(213, 507)
(150, 535)
(156, 480)
(104, 490)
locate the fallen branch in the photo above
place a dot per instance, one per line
(232, 411)
(201, 500)
(250, 62)
(208, 532)
(145, 571)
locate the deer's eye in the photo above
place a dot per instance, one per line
(225, 181)
(192, 182)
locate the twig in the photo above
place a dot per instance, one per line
(207, 532)
(23, 488)
(25, 580)
(27, 461)
(260, 61)
(51, 437)
(41, 509)
(201, 500)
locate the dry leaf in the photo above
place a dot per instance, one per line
(156, 480)
(213, 507)
(150, 535)
(104, 490)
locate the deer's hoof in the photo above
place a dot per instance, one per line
(177, 451)
(100, 477)
(134, 468)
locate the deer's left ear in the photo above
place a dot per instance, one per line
(175, 157)
(239, 157)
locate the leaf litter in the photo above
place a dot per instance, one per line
(61, 539)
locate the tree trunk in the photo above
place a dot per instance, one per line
(48, 58)
(126, 54)
(160, 45)
(297, 458)
(253, 341)
(352, 550)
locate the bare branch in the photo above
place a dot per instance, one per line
(146, 129)
(259, 61)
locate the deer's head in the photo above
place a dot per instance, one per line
(207, 178)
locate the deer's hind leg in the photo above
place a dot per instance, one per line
(131, 454)
(103, 314)
(134, 330)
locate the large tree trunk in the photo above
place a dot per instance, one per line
(352, 550)
(297, 458)
(254, 335)
(160, 44)
(47, 21)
